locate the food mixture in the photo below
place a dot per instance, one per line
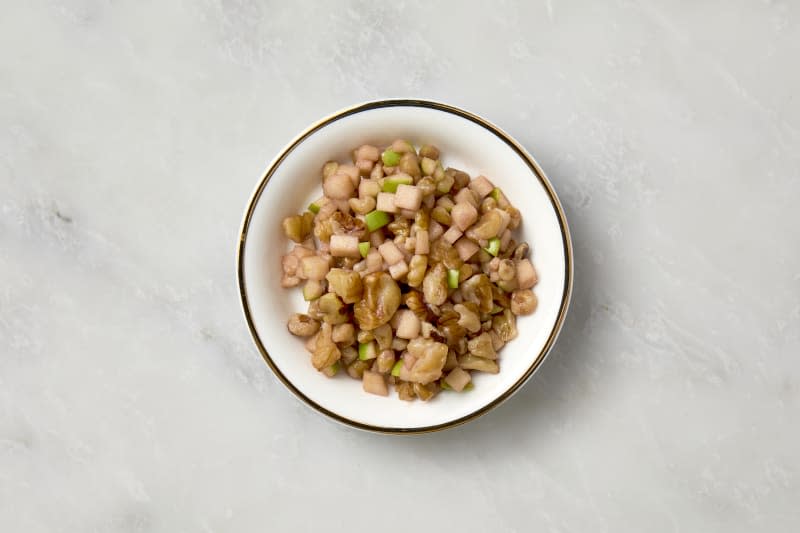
(410, 270)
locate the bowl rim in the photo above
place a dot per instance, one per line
(502, 135)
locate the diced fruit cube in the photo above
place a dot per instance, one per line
(314, 267)
(452, 278)
(422, 245)
(312, 290)
(457, 379)
(351, 171)
(452, 235)
(386, 202)
(367, 350)
(374, 261)
(344, 333)
(396, 368)
(390, 158)
(391, 183)
(435, 230)
(428, 166)
(408, 197)
(374, 383)
(344, 246)
(390, 252)
(332, 370)
(466, 248)
(464, 215)
(376, 219)
(465, 195)
(494, 246)
(482, 186)
(398, 270)
(408, 325)
(339, 186)
(368, 188)
(368, 152)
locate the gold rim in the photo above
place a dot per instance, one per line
(521, 152)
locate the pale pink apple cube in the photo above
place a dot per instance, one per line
(464, 215)
(386, 202)
(408, 325)
(465, 195)
(368, 188)
(344, 246)
(466, 248)
(398, 270)
(408, 197)
(422, 244)
(458, 379)
(452, 234)
(390, 252)
(482, 186)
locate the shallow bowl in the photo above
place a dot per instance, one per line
(292, 181)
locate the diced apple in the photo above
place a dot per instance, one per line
(458, 379)
(339, 186)
(368, 152)
(368, 188)
(398, 270)
(374, 261)
(374, 383)
(390, 252)
(408, 325)
(344, 246)
(465, 195)
(422, 244)
(466, 248)
(314, 267)
(408, 197)
(386, 202)
(464, 215)
(452, 235)
(482, 186)
(435, 230)
(351, 171)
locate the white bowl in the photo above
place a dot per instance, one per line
(292, 181)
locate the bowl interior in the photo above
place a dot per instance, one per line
(295, 181)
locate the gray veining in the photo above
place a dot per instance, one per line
(131, 134)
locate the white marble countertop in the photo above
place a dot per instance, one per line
(132, 399)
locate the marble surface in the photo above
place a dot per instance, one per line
(132, 399)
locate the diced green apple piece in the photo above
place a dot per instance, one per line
(376, 219)
(367, 350)
(452, 278)
(390, 158)
(397, 367)
(494, 246)
(390, 183)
